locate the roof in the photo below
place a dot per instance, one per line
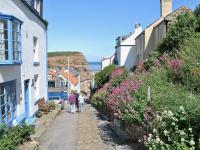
(71, 78)
(74, 71)
(34, 12)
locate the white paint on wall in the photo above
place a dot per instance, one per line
(107, 62)
(126, 51)
(32, 27)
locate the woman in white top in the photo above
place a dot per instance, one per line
(81, 99)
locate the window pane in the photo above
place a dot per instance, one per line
(1, 89)
(3, 34)
(3, 100)
(3, 110)
(3, 50)
(15, 26)
(4, 118)
(16, 55)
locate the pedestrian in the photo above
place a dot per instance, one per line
(77, 105)
(87, 98)
(72, 101)
(81, 99)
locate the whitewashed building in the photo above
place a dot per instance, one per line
(125, 54)
(23, 59)
(107, 61)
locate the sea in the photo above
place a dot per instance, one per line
(94, 66)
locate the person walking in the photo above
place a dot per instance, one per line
(81, 99)
(77, 105)
(72, 101)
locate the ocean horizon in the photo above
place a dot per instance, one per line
(94, 66)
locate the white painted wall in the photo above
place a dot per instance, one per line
(107, 61)
(126, 51)
(32, 26)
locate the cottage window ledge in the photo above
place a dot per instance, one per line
(10, 40)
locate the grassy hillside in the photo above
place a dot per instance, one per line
(67, 53)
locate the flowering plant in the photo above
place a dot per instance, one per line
(171, 131)
(120, 99)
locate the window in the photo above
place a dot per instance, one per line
(10, 40)
(36, 86)
(7, 102)
(35, 51)
(37, 5)
(3, 40)
(63, 83)
(51, 84)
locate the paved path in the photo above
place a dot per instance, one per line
(62, 133)
(83, 131)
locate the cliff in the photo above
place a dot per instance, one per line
(77, 61)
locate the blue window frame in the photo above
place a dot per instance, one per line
(8, 102)
(10, 40)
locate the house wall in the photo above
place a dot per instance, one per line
(106, 62)
(159, 33)
(146, 42)
(32, 26)
(127, 56)
(126, 51)
(140, 41)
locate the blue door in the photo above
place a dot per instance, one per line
(26, 96)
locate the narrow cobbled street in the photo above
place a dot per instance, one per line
(83, 131)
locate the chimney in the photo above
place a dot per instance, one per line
(165, 7)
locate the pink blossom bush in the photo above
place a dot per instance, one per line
(121, 95)
(118, 71)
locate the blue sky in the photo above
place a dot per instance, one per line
(91, 26)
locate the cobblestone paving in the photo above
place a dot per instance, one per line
(95, 133)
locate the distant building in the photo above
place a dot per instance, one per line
(23, 59)
(58, 80)
(151, 36)
(107, 61)
(125, 54)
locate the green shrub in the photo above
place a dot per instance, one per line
(118, 79)
(103, 76)
(52, 105)
(179, 31)
(171, 131)
(197, 15)
(15, 136)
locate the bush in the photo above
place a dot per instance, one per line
(103, 76)
(179, 31)
(15, 136)
(171, 131)
(118, 76)
(52, 105)
(197, 15)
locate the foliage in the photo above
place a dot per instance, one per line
(103, 76)
(197, 15)
(119, 101)
(15, 136)
(67, 53)
(118, 76)
(38, 114)
(179, 31)
(133, 112)
(171, 131)
(52, 105)
(3, 129)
